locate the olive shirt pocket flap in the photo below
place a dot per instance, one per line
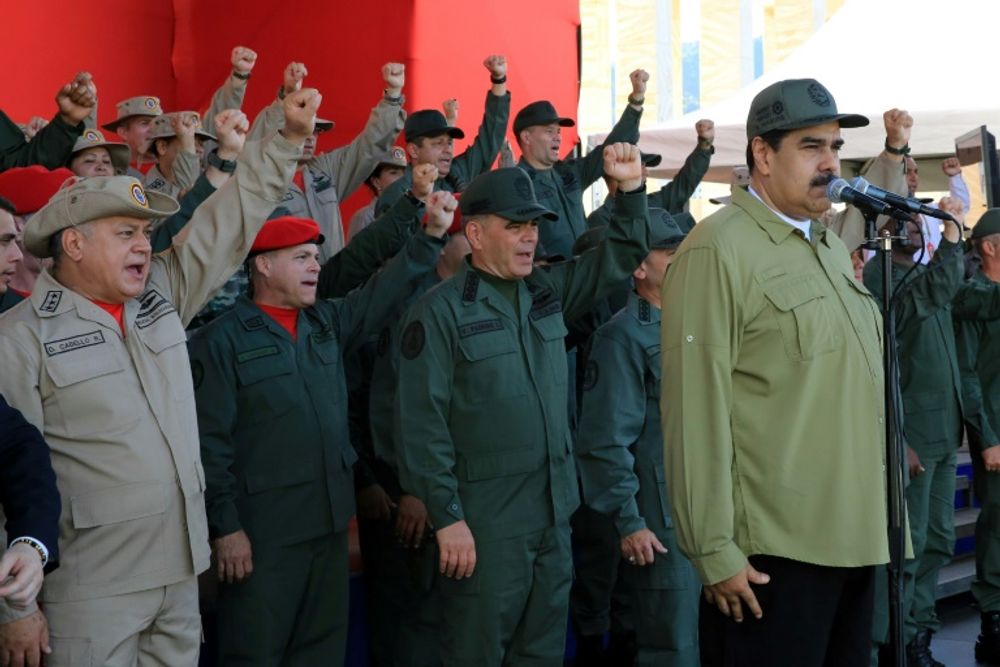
(278, 479)
(484, 346)
(502, 464)
(118, 504)
(789, 295)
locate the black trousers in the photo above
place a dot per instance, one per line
(814, 616)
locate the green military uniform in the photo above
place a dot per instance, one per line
(51, 147)
(620, 457)
(484, 434)
(9, 299)
(932, 416)
(560, 188)
(272, 415)
(671, 197)
(474, 160)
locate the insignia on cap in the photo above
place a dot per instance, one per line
(522, 186)
(818, 95)
(93, 136)
(150, 102)
(778, 108)
(397, 153)
(138, 195)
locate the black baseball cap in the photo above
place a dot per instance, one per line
(506, 192)
(429, 123)
(987, 225)
(539, 113)
(650, 159)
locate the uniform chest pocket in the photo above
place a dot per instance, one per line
(92, 393)
(805, 317)
(166, 339)
(264, 394)
(552, 331)
(492, 367)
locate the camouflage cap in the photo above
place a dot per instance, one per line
(86, 199)
(987, 225)
(664, 233)
(163, 129)
(120, 153)
(144, 105)
(795, 103)
(506, 192)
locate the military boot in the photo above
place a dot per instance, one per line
(918, 651)
(988, 642)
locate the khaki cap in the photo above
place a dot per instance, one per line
(86, 199)
(121, 154)
(163, 129)
(144, 105)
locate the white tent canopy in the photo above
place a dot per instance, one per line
(935, 59)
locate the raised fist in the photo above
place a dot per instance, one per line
(34, 126)
(706, 132)
(497, 65)
(953, 206)
(450, 108)
(77, 98)
(623, 163)
(294, 73)
(243, 60)
(185, 123)
(507, 155)
(639, 78)
(951, 166)
(300, 114)
(394, 75)
(898, 124)
(424, 176)
(441, 207)
(231, 127)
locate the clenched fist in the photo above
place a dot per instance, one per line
(231, 127)
(497, 65)
(243, 60)
(450, 108)
(623, 163)
(441, 207)
(424, 176)
(951, 166)
(300, 114)
(184, 124)
(705, 129)
(294, 73)
(639, 79)
(77, 99)
(394, 75)
(898, 124)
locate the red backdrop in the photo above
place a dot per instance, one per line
(180, 52)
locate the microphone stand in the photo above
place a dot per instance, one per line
(895, 481)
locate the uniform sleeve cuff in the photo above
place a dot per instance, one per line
(720, 565)
(627, 525)
(446, 513)
(224, 520)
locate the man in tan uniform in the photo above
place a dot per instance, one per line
(177, 143)
(96, 359)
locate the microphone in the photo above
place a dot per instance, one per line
(840, 191)
(898, 201)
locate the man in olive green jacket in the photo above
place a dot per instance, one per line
(272, 416)
(483, 435)
(772, 400)
(619, 449)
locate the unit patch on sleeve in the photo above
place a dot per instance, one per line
(152, 306)
(413, 340)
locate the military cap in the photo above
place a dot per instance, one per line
(394, 157)
(144, 105)
(987, 225)
(793, 104)
(740, 176)
(322, 125)
(163, 129)
(429, 123)
(506, 192)
(664, 233)
(85, 199)
(285, 232)
(120, 152)
(650, 159)
(539, 113)
(31, 188)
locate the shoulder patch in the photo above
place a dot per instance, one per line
(590, 375)
(51, 301)
(480, 327)
(257, 353)
(413, 340)
(197, 373)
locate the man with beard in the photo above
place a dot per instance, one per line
(96, 360)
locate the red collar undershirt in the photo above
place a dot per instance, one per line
(115, 310)
(287, 317)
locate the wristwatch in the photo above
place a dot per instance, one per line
(225, 166)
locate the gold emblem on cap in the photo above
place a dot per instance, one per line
(397, 153)
(139, 195)
(150, 102)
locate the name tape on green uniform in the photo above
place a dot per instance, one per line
(483, 326)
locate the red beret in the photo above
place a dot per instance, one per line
(285, 232)
(31, 188)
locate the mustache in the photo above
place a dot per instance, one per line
(823, 179)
